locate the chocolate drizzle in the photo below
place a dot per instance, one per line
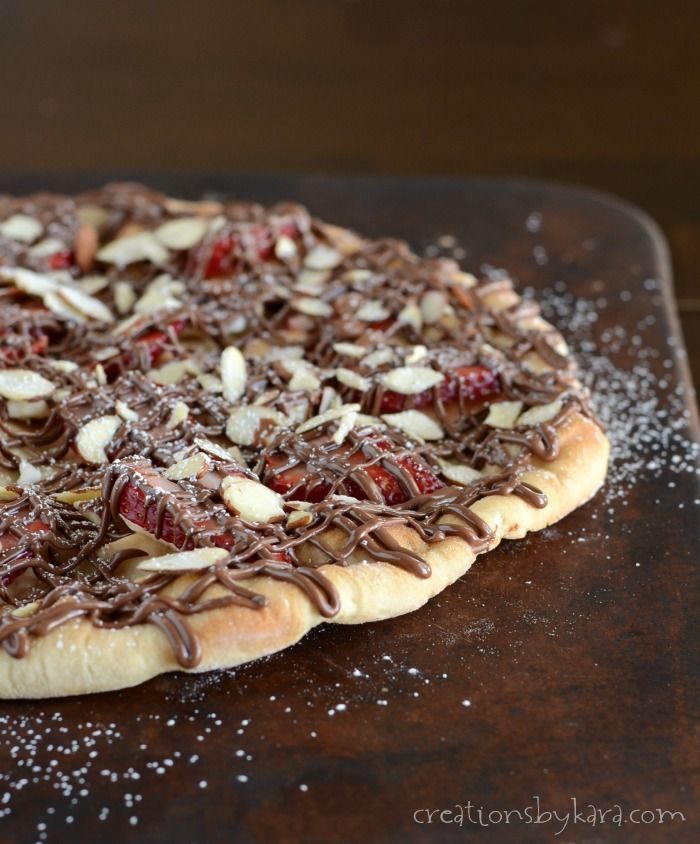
(361, 488)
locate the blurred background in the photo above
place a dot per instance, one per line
(595, 92)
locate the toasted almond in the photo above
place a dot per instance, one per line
(184, 561)
(124, 296)
(417, 353)
(86, 304)
(411, 380)
(24, 385)
(415, 424)
(85, 246)
(179, 413)
(93, 214)
(194, 466)
(345, 425)
(378, 358)
(459, 473)
(284, 353)
(352, 379)
(215, 450)
(233, 373)
(210, 383)
(182, 233)
(174, 372)
(463, 279)
(312, 307)
(502, 414)
(63, 365)
(201, 207)
(251, 500)
(95, 436)
(45, 248)
(372, 311)
(285, 248)
(311, 281)
(245, 422)
(351, 350)
(322, 257)
(432, 306)
(28, 474)
(35, 284)
(60, 307)
(132, 248)
(411, 315)
(76, 496)
(299, 518)
(7, 494)
(328, 416)
(126, 413)
(38, 409)
(357, 276)
(21, 227)
(303, 378)
(540, 413)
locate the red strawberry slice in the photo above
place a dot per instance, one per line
(154, 342)
(15, 354)
(223, 259)
(62, 260)
(384, 479)
(468, 385)
(9, 542)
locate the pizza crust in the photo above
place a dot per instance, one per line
(78, 658)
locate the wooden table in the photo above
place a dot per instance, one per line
(562, 666)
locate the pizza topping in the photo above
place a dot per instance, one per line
(272, 381)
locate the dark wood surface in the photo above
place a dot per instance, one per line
(575, 648)
(592, 92)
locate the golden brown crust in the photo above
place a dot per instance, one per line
(79, 658)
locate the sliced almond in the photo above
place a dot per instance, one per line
(184, 561)
(251, 500)
(411, 380)
(191, 467)
(358, 276)
(60, 307)
(85, 304)
(329, 399)
(45, 248)
(432, 306)
(182, 233)
(459, 473)
(124, 296)
(130, 249)
(100, 375)
(161, 294)
(328, 416)
(26, 610)
(502, 414)
(85, 246)
(378, 358)
(540, 413)
(63, 365)
(411, 315)
(351, 350)
(345, 425)
(21, 227)
(202, 207)
(77, 496)
(299, 518)
(244, 423)
(27, 409)
(35, 284)
(322, 257)
(7, 494)
(28, 474)
(303, 378)
(415, 424)
(179, 413)
(372, 311)
(464, 279)
(211, 383)
(233, 373)
(312, 307)
(352, 379)
(94, 437)
(285, 248)
(215, 450)
(174, 372)
(311, 281)
(24, 385)
(417, 353)
(126, 413)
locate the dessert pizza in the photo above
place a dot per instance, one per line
(221, 425)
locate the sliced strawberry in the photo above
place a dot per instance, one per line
(385, 477)
(221, 260)
(62, 260)
(154, 342)
(9, 542)
(15, 354)
(468, 385)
